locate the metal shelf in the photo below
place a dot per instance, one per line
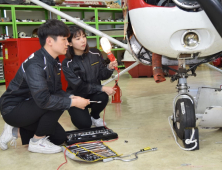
(2, 81)
(116, 49)
(121, 66)
(83, 22)
(29, 7)
(29, 23)
(39, 23)
(83, 10)
(115, 36)
(6, 23)
(91, 36)
(5, 6)
(109, 9)
(76, 8)
(111, 23)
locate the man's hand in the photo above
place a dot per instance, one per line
(79, 102)
(113, 64)
(109, 90)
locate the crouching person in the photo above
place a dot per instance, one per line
(84, 70)
(34, 100)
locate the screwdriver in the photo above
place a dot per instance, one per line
(95, 101)
(148, 148)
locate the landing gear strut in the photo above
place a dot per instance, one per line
(184, 119)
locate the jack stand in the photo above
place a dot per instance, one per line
(117, 95)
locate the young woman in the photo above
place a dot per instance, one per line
(84, 68)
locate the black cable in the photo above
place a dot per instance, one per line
(167, 67)
(205, 61)
(142, 57)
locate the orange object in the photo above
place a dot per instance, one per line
(117, 95)
(112, 58)
(158, 74)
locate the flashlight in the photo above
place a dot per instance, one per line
(106, 46)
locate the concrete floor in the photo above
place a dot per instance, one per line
(142, 120)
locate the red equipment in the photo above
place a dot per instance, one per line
(158, 74)
(15, 51)
(118, 94)
(112, 58)
(217, 62)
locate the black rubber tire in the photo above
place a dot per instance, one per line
(187, 135)
(188, 119)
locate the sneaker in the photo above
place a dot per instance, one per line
(43, 146)
(6, 137)
(97, 122)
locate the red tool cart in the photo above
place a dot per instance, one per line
(15, 51)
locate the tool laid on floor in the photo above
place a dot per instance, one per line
(94, 151)
(91, 134)
(129, 160)
(89, 152)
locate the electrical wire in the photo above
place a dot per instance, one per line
(118, 71)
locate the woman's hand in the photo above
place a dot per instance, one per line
(109, 90)
(79, 102)
(113, 64)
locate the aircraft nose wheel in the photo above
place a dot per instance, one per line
(184, 122)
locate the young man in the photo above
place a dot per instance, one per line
(34, 100)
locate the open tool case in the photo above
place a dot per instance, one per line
(89, 152)
(91, 134)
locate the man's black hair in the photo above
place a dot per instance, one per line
(52, 28)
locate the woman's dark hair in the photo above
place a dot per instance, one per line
(74, 32)
(52, 28)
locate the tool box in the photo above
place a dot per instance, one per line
(90, 134)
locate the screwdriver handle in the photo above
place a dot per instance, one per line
(145, 149)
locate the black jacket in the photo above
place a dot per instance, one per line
(85, 72)
(39, 78)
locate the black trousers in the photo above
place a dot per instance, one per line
(31, 120)
(81, 118)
